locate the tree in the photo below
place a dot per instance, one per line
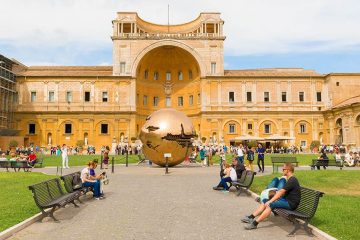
(80, 143)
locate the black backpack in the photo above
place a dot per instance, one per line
(76, 181)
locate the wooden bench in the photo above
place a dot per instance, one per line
(244, 182)
(5, 164)
(50, 195)
(20, 164)
(70, 187)
(305, 211)
(326, 163)
(276, 161)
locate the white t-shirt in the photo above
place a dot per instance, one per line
(233, 175)
(240, 152)
(64, 151)
(85, 173)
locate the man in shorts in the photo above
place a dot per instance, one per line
(287, 197)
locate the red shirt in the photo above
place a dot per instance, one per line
(32, 157)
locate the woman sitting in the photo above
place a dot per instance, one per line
(88, 181)
(229, 176)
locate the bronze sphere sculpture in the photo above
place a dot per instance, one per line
(167, 131)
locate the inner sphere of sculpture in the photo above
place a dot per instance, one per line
(163, 132)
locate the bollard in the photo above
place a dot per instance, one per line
(208, 161)
(127, 159)
(101, 161)
(112, 165)
(167, 166)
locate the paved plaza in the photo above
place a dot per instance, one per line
(144, 203)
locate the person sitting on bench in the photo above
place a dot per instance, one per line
(349, 159)
(229, 176)
(323, 160)
(287, 197)
(32, 159)
(88, 182)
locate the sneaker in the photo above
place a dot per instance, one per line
(101, 197)
(246, 219)
(257, 199)
(97, 198)
(218, 188)
(251, 226)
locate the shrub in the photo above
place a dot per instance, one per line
(251, 144)
(80, 143)
(314, 144)
(13, 143)
(203, 139)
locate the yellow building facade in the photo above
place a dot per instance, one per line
(182, 67)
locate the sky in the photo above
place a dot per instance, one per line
(323, 35)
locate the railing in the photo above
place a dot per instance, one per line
(169, 35)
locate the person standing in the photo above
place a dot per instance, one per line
(64, 156)
(240, 154)
(250, 158)
(260, 151)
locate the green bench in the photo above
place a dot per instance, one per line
(278, 161)
(326, 163)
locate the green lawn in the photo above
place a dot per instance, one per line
(338, 210)
(17, 203)
(81, 160)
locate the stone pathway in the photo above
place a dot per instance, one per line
(144, 203)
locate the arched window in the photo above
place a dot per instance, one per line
(339, 122)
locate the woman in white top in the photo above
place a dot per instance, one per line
(88, 181)
(229, 176)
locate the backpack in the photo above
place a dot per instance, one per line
(76, 181)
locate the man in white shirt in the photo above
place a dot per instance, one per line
(240, 153)
(349, 159)
(64, 156)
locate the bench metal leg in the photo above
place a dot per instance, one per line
(307, 229)
(75, 205)
(296, 227)
(49, 214)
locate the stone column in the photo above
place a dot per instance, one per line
(292, 130)
(331, 130)
(256, 127)
(219, 94)
(315, 129)
(243, 93)
(254, 92)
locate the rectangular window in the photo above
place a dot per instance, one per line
(87, 96)
(267, 128)
(213, 67)
(303, 144)
(231, 97)
(122, 67)
(248, 97)
(180, 75)
(105, 96)
(68, 97)
(168, 76)
(191, 100)
(51, 96)
(180, 101)
(266, 97)
(232, 128)
(321, 125)
(301, 96)
(168, 101)
(145, 100)
(33, 97)
(156, 101)
(283, 96)
(190, 75)
(302, 128)
(199, 99)
(156, 75)
(249, 126)
(104, 129)
(68, 129)
(146, 74)
(318, 96)
(32, 128)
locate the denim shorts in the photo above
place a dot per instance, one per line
(281, 203)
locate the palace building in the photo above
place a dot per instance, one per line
(182, 67)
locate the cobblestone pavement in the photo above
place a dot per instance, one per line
(143, 203)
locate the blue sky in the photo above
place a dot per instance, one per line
(313, 34)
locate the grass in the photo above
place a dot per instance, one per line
(338, 210)
(17, 203)
(81, 160)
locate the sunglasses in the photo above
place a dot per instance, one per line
(285, 169)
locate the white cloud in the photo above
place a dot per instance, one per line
(251, 26)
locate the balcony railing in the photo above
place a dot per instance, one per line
(157, 36)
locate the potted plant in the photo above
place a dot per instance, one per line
(80, 144)
(314, 146)
(13, 145)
